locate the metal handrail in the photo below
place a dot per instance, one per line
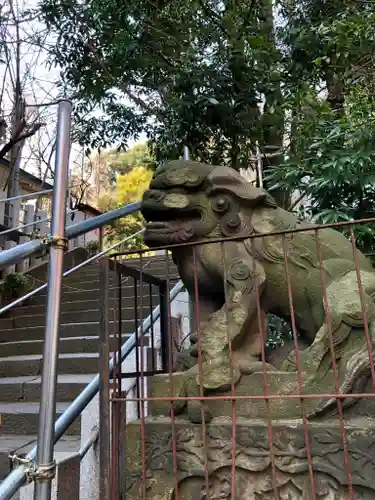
(33, 223)
(68, 273)
(93, 439)
(31, 248)
(16, 478)
(41, 456)
(29, 195)
(32, 195)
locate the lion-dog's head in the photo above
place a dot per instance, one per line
(189, 201)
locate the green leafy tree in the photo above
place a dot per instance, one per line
(118, 161)
(329, 105)
(130, 187)
(194, 72)
(187, 72)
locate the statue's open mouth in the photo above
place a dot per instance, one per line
(169, 215)
(170, 227)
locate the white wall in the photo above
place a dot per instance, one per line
(82, 240)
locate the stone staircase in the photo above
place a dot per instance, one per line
(21, 347)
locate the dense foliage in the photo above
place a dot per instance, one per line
(292, 80)
(130, 188)
(130, 174)
(330, 107)
(295, 77)
(186, 72)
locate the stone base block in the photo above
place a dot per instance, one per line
(279, 384)
(269, 462)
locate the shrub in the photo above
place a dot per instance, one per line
(15, 285)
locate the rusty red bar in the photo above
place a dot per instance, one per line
(210, 241)
(136, 322)
(104, 391)
(265, 378)
(255, 398)
(170, 367)
(364, 314)
(231, 368)
(334, 366)
(142, 384)
(200, 366)
(145, 400)
(153, 352)
(299, 370)
(119, 408)
(114, 403)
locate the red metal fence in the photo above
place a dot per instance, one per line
(327, 378)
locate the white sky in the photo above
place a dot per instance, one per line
(39, 86)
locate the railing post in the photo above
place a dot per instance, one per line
(164, 340)
(104, 425)
(192, 325)
(11, 484)
(45, 465)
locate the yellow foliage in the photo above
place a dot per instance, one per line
(130, 186)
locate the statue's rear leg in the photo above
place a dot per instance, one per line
(341, 346)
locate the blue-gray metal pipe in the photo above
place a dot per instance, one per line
(95, 257)
(102, 220)
(39, 247)
(47, 409)
(13, 482)
(21, 252)
(33, 223)
(31, 195)
(26, 196)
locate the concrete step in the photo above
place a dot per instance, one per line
(27, 389)
(19, 444)
(150, 263)
(80, 305)
(81, 329)
(113, 275)
(94, 294)
(31, 364)
(130, 273)
(127, 286)
(81, 316)
(158, 272)
(84, 284)
(23, 418)
(67, 344)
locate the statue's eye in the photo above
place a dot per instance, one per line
(220, 204)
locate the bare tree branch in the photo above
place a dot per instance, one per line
(19, 136)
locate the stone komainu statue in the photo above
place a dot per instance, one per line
(240, 281)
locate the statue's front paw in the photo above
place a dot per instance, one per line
(196, 409)
(247, 368)
(198, 412)
(184, 361)
(194, 344)
(217, 375)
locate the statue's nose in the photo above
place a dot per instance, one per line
(153, 195)
(152, 204)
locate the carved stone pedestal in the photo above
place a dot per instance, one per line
(257, 473)
(278, 383)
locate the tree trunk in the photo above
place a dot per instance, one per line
(272, 121)
(336, 96)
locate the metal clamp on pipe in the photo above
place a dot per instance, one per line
(43, 472)
(57, 242)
